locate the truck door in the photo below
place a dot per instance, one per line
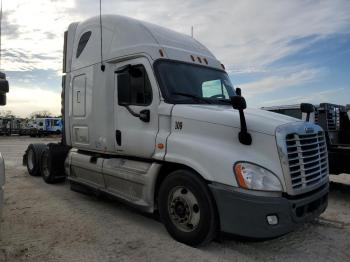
(135, 110)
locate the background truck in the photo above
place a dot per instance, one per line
(10, 125)
(4, 88)
(42, 126)
(335, 121)
(150, 116)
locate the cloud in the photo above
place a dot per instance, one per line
(247, 36)
(10, 30)
(275, 82)
(24, 101)
(315, 98)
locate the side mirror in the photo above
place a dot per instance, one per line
(238, 102)
(308, 109)
(145, 115)
(4, 88)
(2, 99)
(238, 91)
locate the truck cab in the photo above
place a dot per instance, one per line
(151, 117)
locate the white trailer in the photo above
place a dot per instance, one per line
(158, 124)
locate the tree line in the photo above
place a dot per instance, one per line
(36, 114)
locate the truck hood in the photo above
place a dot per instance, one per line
(257, 120)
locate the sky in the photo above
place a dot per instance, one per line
(277, 51)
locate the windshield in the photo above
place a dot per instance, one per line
(188, 83)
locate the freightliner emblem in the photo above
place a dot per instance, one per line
(309, 130)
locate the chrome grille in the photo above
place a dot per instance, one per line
(307, 159)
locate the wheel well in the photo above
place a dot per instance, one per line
(165, 170)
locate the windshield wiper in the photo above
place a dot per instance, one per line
(192, 96)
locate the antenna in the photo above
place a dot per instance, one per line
(192, 31)
(102, 65)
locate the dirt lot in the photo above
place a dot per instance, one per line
(52, 223)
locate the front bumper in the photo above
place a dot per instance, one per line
(246, 215)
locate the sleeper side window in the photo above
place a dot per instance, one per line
(134, 87)
(82, 43)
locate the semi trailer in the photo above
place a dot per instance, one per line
(151, 117)
(10, 125)
(335, 121)
(4, 88)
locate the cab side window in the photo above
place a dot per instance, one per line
(82, 43)
(134, 87)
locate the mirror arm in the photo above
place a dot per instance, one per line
(131, 111)
(244, 137)
(238, 103)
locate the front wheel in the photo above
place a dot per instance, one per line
(187, 208)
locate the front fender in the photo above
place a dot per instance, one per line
(212, 150)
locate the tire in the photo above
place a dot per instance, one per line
(52, 163)
(33, 158)
(187, 208)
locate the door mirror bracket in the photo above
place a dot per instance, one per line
(144, 115)
(238, 102)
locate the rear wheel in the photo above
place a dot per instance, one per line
(187, 208)
(33, 154)
(52, 163)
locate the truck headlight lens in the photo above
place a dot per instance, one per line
(251, 176)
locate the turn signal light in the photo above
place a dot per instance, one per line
(239, 176)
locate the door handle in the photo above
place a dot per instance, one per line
(118, 137)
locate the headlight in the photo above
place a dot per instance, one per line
(251, 176)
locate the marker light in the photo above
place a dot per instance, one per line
(254, 177)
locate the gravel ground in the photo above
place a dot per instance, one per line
(51, 223)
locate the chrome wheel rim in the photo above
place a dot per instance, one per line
(30, 159)
(45, 166)
(183, 209)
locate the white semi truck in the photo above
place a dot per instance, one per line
(151, 117)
